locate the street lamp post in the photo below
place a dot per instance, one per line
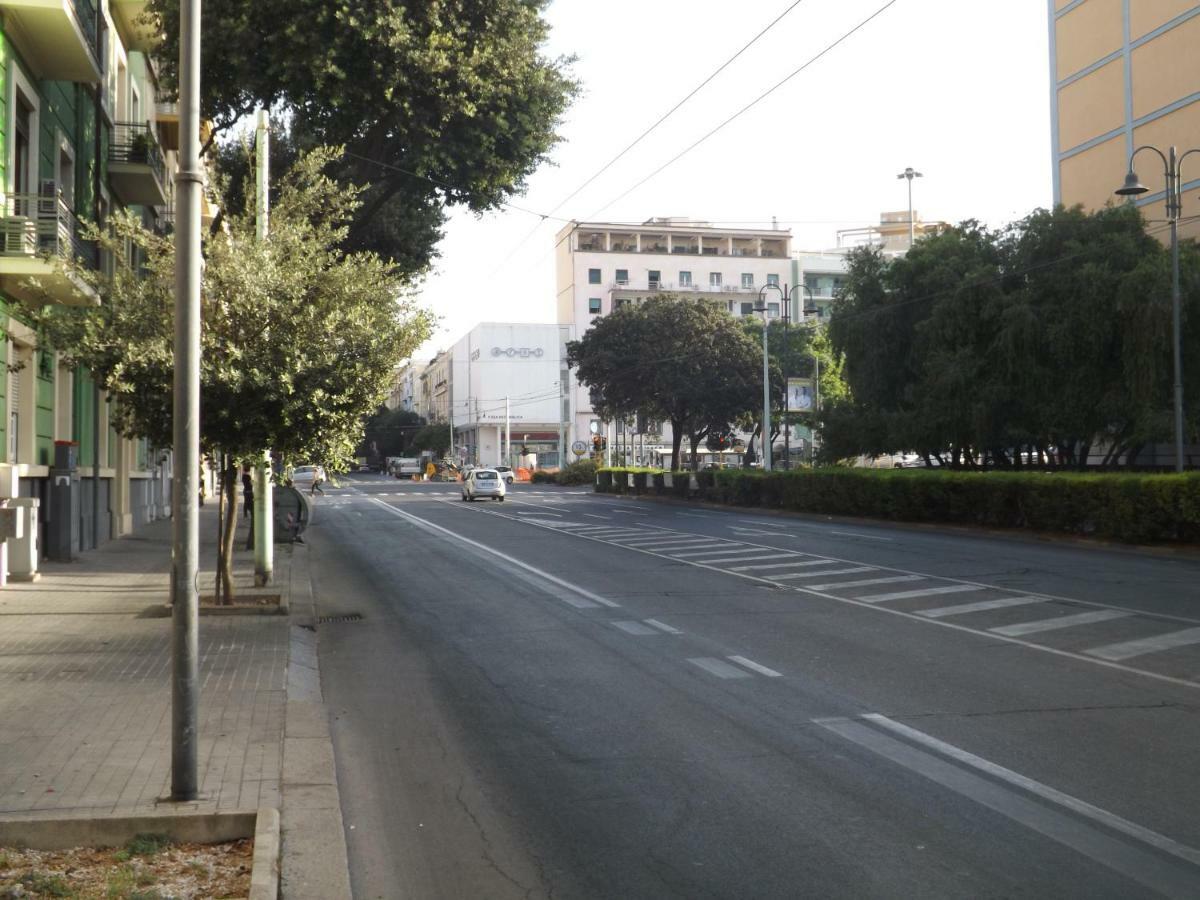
(766, 420)
(1172, 167)
(910, 173)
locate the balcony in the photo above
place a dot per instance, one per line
(135, 165)
(39, 235)
(136, 33)
(166, 111)
(56, 37)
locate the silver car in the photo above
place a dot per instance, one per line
(483, 483)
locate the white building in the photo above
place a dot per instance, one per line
(403, 393)
(600, 266)
(512, 375)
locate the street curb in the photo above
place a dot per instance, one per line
(314, 861)
(264, 875)
(1185, 551)
(198, 828)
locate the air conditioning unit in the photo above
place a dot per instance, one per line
(19, 235)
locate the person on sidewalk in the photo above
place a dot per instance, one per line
(318, 477)
(248, 493)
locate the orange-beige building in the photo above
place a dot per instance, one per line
(1124, 73)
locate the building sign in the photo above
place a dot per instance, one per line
(519, 352)
(800, 395)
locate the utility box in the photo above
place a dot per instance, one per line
(62, 518)
(23, 550)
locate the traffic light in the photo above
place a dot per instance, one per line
(603, 443)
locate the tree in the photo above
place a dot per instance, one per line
(439, 103)
(298, 337)
(388, 432)
(685, 361)
(993, 348)
(434, 437)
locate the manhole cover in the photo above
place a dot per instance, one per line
(348, 617)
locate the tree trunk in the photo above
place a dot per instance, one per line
(225, 558)
(694, 440)
(676, 444)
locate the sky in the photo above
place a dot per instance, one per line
(957, 89)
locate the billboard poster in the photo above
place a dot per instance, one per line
(801, 396)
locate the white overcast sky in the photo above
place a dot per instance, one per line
(958, 89)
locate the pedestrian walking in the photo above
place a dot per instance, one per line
(248, 493)
(318, 477)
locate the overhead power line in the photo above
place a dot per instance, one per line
(748, 106)
(659, 121)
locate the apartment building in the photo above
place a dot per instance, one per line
(1123, 73)
(601, 266)
(83, 134)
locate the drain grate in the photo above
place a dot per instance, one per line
(348, 617)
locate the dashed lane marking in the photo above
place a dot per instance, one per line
(718, 667)
(755, 667)
(981, 606)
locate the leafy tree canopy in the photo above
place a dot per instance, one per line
(299, 337)
(1038, 340)
(677, 359)
(438, 102)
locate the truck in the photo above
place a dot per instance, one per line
(404, 466)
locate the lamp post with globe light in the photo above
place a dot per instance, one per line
(1172, 166)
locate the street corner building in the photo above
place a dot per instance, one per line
(84, 132)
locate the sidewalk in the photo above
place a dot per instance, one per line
(85, 689)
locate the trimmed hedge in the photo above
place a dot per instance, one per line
(1136, 508)
(581, 472)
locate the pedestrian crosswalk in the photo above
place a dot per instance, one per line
(1162, 645)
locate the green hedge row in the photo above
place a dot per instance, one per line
(1137, 508)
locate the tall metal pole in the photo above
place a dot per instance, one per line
(97, 110)
(185, 565)
(766, 426)
(1173, 204)
(912, 233)
(507, 434)
(263, 521)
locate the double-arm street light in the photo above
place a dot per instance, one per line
(786, 294)
(910, 173)
(1172, 165)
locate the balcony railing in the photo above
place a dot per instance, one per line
(85, 13)
(136, 142)
(33, 224)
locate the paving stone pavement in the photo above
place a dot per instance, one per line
(85, 686)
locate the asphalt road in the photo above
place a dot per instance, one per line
(574, 695)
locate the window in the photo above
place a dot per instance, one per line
(593, 276)
(714, 279)
(622, 276)
(22, 152)
(618, 302)
(685, 279)
(747, 280)
(655, 279)
(772, 310)
(773, 279)
(747, 309)
(594, 306)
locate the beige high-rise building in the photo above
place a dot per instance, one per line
(1124, 73)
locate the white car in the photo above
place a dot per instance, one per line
(483, 483)
(506, 473)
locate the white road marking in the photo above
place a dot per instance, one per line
(869, 537)
(664, 541)
(737, 529)
(635, 628)
(719, 667)
(741, 559)
(1002, 603)
(1087, 618)
(732, 556)
(709, 551)
(820, 574)
(753, 666)
(583, 594)
(663, 626)
(863, 582)
(594, 516)
(784, 565)
(764, 524)
(1081, 807)
(1156, 644)
(698, 515)
(924, 592)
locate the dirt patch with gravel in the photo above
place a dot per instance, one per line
(149, 867)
